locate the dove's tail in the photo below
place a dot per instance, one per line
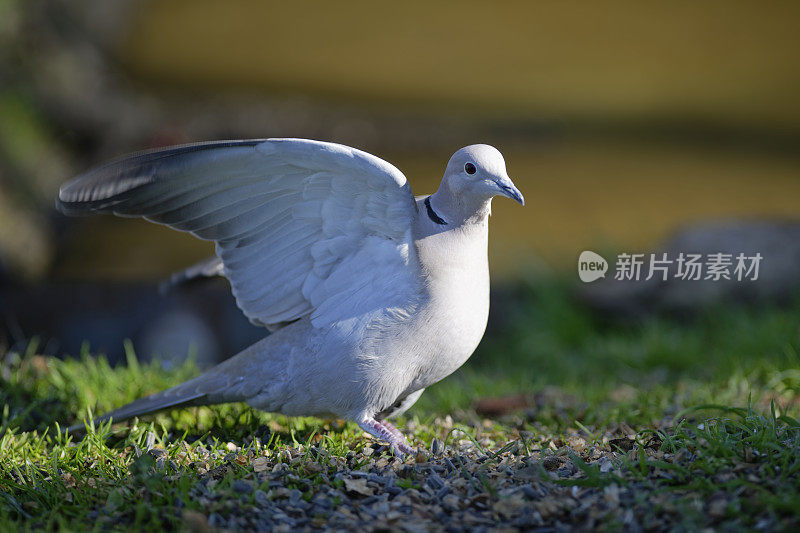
(175, 397)
(221, 384)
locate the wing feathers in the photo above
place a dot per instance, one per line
(130, 172)
(285, 215)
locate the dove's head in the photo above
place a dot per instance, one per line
(477, 173)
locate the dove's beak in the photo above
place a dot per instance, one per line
(507, 188)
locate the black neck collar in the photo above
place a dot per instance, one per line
(432, 214)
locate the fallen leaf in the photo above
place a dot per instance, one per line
(359, 486)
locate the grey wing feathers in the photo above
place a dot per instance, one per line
(107, 185)
(291, 218)
(207, 268)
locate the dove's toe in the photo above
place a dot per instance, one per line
(385, 431)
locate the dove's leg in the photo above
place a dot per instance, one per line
(384, 431)
(397, 434)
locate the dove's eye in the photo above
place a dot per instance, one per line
(470, 168)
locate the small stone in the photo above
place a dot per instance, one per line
(216, 520)
(435, 482)
(394, 490)
(718, 507)
(322, 501)
(577, 443)
(509, 507)
(529, 473)
(451, 502)
(242, 487)
(261, 497)
(605, 465)
(260, 464)
(566, 470)
(436, 447)
(295, 496)
(375, 478)
(157, 452)
(282, 492)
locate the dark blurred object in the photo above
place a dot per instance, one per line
(503, 405)
(553, 398)
(57, 94)
(778, 243)
(201, 319)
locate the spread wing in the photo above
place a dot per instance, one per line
(303, 228)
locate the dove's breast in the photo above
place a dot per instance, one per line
(452, 317)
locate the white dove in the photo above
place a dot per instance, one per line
(371, 295)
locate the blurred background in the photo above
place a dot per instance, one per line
(629, 127)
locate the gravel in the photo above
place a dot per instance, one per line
(449, 488)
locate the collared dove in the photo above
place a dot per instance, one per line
(371, 294)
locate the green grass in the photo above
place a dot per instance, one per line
(700, 413)
(638, 372)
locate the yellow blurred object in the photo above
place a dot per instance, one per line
(718, 60)
(605, 74)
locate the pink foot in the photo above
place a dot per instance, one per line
(398, 435)
(385, 431)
